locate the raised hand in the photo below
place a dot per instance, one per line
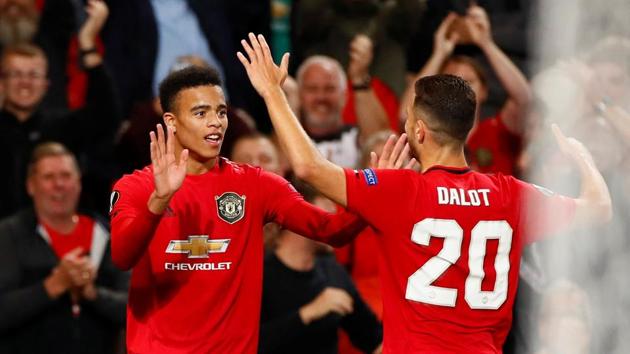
(443, 42)
(572, 147)
(361, 54)
(97, 15)
(168, 173)
(395, 154)
(478, 25)
(263, 73)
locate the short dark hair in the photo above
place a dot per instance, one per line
(448, 104)
(177, 81)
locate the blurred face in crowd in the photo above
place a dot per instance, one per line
(24, 82)
(55, 185)
(468, 73)
(257, 151)
(321, 97)
(18, 21)
(612, 81)
(200, 121)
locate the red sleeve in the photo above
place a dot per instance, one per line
(133, 225)
(375, 195)
(543, 212)
(285, 206)
(386, 97)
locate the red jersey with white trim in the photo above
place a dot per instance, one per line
(197, 268)
(492, 148)
(452, 241)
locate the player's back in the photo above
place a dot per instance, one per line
(452, 240)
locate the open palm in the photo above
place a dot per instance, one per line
(263, 73)
(168, 173)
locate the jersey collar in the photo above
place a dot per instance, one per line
(449, 169)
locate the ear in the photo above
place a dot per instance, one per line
(170, 120)
(420, 131)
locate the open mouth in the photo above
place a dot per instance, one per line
(214, 138)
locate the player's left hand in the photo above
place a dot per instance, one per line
(263, 73)
(395, 154)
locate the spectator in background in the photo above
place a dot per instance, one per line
(322, 89)
(59, 291)
(258, 150)
(23, 123)
(329, 27)
(307, 297)
(494, 143)
(52, 25)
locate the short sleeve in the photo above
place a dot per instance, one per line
(543, 212)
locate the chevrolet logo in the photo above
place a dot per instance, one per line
(198, 246)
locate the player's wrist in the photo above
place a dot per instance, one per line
(158, 203)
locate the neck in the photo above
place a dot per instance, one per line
(61, 223)
(22, 115)
(295, 251)
(445, 156)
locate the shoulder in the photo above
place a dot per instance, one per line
(135, 179)
(16, 223)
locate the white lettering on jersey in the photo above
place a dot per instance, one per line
(459, 196)
(198, 266)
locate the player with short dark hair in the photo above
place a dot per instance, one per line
(451, 237)
(190, 225)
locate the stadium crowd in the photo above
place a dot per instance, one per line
(80, 93)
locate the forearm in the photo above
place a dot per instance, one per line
(594, 205)
(371, 116)
(131, 235)
(511, 78)
(19, 305)
(306, 161)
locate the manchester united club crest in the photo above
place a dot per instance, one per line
(230, 207)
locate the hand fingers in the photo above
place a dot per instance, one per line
(266, 52)
(400, 144)
(75, 253)
(404, 155)
(250, 52)
(170, 141)
(561, 139)
(153, 148)
(257, 49)
(183, 157)
(387, 148)
(284, 64)
(160, 140)
(373, 160)
(411, 164)
(446, 23)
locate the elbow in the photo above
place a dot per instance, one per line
(305, 170)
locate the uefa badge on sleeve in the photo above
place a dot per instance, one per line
(230, 207)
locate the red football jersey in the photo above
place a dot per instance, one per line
(492, 148)
(196, 287)
(452, 241)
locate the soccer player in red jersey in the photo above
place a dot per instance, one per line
(451, 237)
(190, 225)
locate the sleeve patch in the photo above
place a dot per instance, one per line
(113, 199)
(370, 177)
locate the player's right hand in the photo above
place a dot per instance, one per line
(572, 147)
(168, 173)
(395, 154)
(330, 300)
